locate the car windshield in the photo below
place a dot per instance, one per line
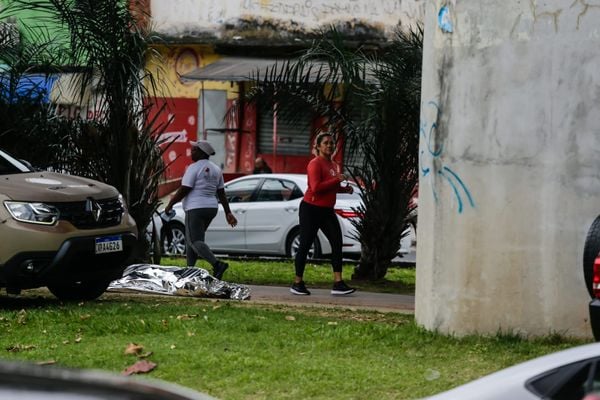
(10, 165)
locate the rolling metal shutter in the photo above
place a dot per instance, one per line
(293, 137)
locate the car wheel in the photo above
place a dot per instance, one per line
(173, 239)
(85, 290)
(590, 252)
(293, 243)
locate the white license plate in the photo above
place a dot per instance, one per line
(109, 244)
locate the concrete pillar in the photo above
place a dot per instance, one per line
(510, 165)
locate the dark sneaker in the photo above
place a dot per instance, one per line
(219, 269)
(299, 289)
(340, 288)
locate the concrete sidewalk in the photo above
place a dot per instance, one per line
(383, 302)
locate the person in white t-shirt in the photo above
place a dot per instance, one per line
(201, 185)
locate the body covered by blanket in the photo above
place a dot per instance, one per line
(178, 281)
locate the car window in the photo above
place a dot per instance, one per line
(568, 382)
(278, 190)
(10, 165)
(241, 191)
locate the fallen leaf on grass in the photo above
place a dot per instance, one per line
(22, 317)
(186, 316)
(290, 317)
(133, 348)
(140, 367)
(84, 317)
(15, 348)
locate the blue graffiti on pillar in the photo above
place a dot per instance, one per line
(430, 159)
(444, 20)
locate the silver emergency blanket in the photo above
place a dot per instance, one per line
(178, 281)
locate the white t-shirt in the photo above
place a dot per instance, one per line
(204, 177)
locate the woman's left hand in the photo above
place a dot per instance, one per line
(231, 219)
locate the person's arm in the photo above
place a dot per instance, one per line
(319, 186)
(231, 220)
(177, 197)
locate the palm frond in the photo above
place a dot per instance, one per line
(122, 146)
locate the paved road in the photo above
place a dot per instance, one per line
(321, 297)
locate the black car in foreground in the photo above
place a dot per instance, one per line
(26, 381)
(591, 272)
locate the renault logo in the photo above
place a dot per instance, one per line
(94, 208)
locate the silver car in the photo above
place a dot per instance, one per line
(569, 374)
(266, 206)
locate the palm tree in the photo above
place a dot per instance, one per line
(121, 146)
(378, 116)
(24, 69)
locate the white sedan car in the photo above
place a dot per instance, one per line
(572, 374)
(266, 207)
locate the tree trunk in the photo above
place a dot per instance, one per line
(371, 267)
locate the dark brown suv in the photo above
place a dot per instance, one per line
(71, 234)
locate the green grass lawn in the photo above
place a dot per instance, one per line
(281, 273)
(237, 350)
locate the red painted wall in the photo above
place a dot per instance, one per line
(247, 150)
(180, 119)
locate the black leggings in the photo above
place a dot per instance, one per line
(197, 221)
(313, 218)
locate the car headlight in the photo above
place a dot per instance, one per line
(35, 213)
(123, 202)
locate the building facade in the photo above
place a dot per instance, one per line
(242, 35)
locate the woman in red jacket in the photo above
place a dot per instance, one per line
(316, 212)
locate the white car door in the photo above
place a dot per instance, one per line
(272, 215)
(220, 236)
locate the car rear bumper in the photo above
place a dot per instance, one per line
(595, 318)
(74, 261)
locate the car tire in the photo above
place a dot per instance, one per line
(293, 241)
(590, 252)
(173, 239)
(85, 290)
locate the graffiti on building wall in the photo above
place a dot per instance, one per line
(180, 122)
(181, 17)
(175, 62)
(430, 160)
(324, 8)
(445, 20)
(248, 142)
(231, 138)
(186, 60)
